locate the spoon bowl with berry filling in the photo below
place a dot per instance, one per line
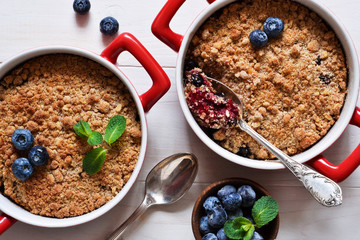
(213, 100)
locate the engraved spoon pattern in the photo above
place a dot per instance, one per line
(323, 189)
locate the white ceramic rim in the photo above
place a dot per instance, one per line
(328, 139)
(25, 216)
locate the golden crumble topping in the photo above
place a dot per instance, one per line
(48, 95)
(293, 88)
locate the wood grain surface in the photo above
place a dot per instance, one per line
(28, 24)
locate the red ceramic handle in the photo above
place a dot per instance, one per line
(161, 82)
(161, 28)
(5, 222)
(339, 172)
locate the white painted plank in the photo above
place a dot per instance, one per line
(44, 22)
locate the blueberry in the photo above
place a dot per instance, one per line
(248, 195)
(210, 203)
(234, 214)
(232, 201)
(38, 156)
(81, 6)
(196, 79)
(204, 225)
(325, 78)
(217, 217)
(22, 139)
(273, 27)
(221, 235)
(209, 236)
(190, 64)
(225, 190)
(221, 94)
(109, 26)
(244, 151)
(257, 236)
(258, 38)
(318, 60)
(22, 168)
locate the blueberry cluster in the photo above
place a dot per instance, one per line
(273, 27)
(108, 26)
(22, 168)
(229, 204)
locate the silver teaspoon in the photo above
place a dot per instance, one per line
(166, 183)
(323, 189)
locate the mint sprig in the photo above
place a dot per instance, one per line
(82, 129)
(264, 211)
(115, 129)
(95, 138)
(94, 160)
(239, 228)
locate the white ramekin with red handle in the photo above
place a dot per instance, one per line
(350, 113)
(143, 102)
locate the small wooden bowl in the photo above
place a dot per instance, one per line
(269, 231)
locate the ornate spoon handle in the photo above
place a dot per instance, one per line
(323, 189)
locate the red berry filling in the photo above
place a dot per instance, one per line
(209, 107)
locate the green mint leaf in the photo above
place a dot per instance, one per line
(264, 210)
(115, 128)
(246, 227)
(250, 232)
(82, 129)
(238, 228)
(94, 160)
(95, 138)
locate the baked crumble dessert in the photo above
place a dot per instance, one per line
(293, 87)
(48, 95)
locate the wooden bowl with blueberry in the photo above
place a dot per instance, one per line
(235, 208)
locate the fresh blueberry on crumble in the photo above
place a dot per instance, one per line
(22, 139)
(258, 38)
(38, 156)
(273, 27)
(22, 169)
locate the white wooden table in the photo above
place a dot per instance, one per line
(26, 24)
